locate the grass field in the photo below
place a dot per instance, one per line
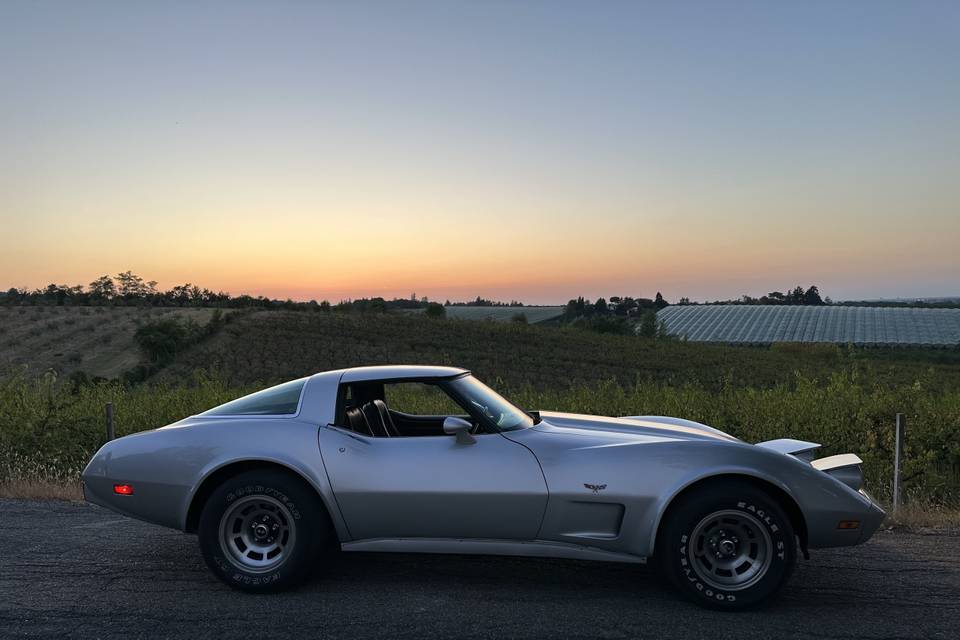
(843, 398)
(95, 340)
(270, 346)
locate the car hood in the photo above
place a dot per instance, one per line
(640, 427)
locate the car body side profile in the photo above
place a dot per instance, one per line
(428, 459)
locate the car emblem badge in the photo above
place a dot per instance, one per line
(596, 488)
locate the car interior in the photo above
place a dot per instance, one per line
(362, 408)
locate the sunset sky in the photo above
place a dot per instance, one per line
(529, 150)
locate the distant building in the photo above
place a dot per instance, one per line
(766, 324)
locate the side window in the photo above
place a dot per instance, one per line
(420, 399)
(283, 399)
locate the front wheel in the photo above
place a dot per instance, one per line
(263, 531)
(728, 546)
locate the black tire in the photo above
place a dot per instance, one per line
(728, 546)
(240, 510)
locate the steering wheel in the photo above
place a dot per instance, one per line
(486, 412)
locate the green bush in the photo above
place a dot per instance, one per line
(435, 310)
(160, 340)
(50, 430)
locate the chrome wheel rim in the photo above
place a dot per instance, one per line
(257, 533)
(730, 550)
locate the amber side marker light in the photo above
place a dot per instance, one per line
(123, 489)
(849, 524)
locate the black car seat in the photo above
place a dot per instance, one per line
(358, 421)
(386, 418)
(377, 424)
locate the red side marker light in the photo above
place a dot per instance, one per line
(849, 524)
(123, 489)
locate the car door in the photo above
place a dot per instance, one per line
(434, 487)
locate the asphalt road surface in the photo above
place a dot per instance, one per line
(73, 570)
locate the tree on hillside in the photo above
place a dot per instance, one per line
(648, 325)
(131, 286)
(161, 340)
(102, 289)
(812, 296)
(575, 308)
(185, 294)
(59, 294)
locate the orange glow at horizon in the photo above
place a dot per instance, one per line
(480, 256)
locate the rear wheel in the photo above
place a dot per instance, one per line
(263, 530)
(727, 546)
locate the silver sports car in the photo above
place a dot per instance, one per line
(429, 459)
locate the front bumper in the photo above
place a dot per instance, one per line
(823, 520)
(872, 519)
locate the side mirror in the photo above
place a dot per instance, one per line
(459, 427)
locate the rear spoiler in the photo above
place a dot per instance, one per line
(844, 467)
(798, 448)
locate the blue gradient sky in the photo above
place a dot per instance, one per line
(512, 150)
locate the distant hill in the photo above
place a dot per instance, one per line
(946, 302)
(261, 347)
(532, 314)
(95, 340)
(269, 346)
(950, 299)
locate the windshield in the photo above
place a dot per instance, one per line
(488, 402)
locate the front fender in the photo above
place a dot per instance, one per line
(822, 500)
(717, 472)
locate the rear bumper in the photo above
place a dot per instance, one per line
(118, 462)
(98, 490)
